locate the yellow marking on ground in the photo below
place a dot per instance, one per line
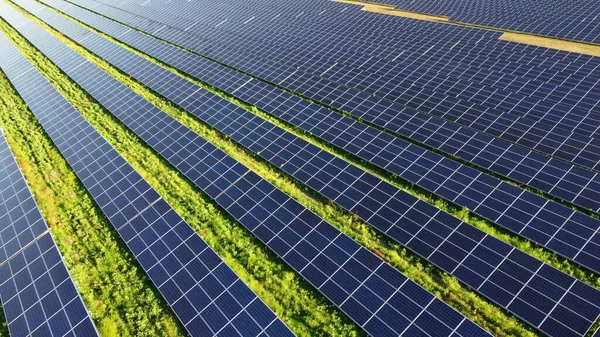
(391, 10)
(548, 42)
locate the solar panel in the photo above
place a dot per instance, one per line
(556, 227)
(564, 181)
(371, 292)
(21, 222)
(258, 136)
(37, 293)
(205, 294)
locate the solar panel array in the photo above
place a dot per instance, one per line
(317, 169)
(505, 92)
(37, 293)
(563, 180)
(372, 293)
(204, 293)
(547, 223)
(568, 20)
(521, 112)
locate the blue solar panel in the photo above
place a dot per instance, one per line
(21, 222)
(38, 296)
(556, 227)
(245, 128)
(37, 293)
(341, 269)
(203, 291)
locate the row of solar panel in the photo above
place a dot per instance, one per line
(563, 180)
(259, 137)
(205, 294)
(567, 20)
(388, 85)
(37, 293)
(560, 229)
(382, 300)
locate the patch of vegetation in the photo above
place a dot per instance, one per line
(305, 310)
(486, 314)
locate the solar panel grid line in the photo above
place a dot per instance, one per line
(212, 191)
(25, 246)
(137, 215)
(261, 307)
(571, 286)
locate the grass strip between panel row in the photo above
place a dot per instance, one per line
(491, 317)
(305, 310)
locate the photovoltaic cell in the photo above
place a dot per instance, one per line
(37, 293)
(204, 293)
(341, 269)
(201, 101)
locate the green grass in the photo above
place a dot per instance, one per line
(444, 286)
(305, 310)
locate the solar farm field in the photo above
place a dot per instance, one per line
(299, 168)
